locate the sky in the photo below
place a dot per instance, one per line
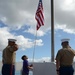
(17, 20)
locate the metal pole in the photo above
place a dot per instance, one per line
(34, 46)
(52, 31)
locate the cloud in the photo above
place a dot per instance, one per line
(23, 42)
(65, 29)
(4, 35)
(64, 15)
(35, 32)
(68, 5)
(17, 13)
(43, 59)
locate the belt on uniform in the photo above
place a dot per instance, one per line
(65, 65)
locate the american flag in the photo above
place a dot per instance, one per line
(39, 15)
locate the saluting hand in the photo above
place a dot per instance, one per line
(15, 47)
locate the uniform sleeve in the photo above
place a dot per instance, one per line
(74, 52)
(58, 56)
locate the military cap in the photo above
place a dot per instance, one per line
(12, 40)
(65, 40)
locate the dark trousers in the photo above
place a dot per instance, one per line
(23, 73)
(8, 69)
(66, 70)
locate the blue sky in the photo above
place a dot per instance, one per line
(17, 20)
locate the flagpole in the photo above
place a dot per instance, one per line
(52, 31)
(34, 46)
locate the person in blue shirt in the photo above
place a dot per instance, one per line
(26, 66)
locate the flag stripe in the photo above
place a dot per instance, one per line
(39, 23)
(39, 15)
(39, 19)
